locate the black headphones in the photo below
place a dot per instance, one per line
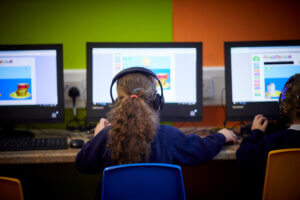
(158, 101)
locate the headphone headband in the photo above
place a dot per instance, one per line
(140, 70)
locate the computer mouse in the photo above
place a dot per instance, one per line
(77, 143)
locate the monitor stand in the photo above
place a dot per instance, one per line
(8, 131)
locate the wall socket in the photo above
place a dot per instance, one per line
(75, 78)
(213, 86)
(208, 88)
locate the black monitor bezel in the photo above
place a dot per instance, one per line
(269, 109)
(169, 110)
(33, 113)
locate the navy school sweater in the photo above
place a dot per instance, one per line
(170, 146)
(252, 157)
(253, 151)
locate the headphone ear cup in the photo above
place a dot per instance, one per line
(162, 102)
(157, 103)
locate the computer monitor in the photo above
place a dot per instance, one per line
(31, 84)
(255, 74)
(177, 65)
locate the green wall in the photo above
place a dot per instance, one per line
(73, 23)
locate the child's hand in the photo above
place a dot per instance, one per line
(230, 136)
(259, 122)
(101, 125)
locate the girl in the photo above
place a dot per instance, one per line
(253, 152)
(254, 149)
(132, 133)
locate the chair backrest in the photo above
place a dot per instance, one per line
(143, 181)
(10, 188)
(282, 179)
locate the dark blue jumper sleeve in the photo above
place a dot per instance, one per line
(252, 151)
(92, 157)
(192, 149)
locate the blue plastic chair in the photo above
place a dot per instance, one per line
(143, 181)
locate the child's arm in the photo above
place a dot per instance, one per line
(252, 150)
(192, 149)
(93, 155)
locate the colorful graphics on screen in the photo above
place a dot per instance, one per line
(160, 65)
(275, 78)
(15, 83)
(162, 62)
(164, 76)
(273, 87)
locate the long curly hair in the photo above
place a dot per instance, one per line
(133, 120)
(289, 103)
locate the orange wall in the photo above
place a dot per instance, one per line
(216, 21)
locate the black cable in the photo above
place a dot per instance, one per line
(74, 93)
(80, 124)
(223, 106)
(76, 126)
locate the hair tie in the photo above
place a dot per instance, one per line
(134, 96)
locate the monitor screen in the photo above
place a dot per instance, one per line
(177, 65)
(31, 84)
(255, 75)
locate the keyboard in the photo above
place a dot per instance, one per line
(23, 144)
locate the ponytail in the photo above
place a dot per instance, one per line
(133, 126)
